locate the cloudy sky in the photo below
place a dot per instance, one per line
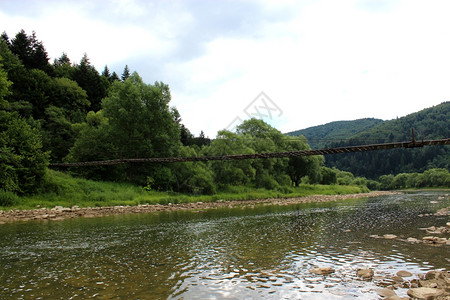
(295, 64)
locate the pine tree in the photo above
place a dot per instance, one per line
(5, 38)
(106, 72)
(114, 77)
(63, 60)
(126, 73)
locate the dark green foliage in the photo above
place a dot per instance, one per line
(328, 176)
(126, 73)
(114, 77)
(22, 161)
(8, 198)
(431, 123)
(429, 178)
(256, 136)
(63, 67)
(322, 135)
(84, 116)
(90, 80)
(135, 121)
(30, 51)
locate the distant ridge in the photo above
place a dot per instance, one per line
(429, 123)
(321, 135)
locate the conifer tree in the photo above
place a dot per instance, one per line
(126, 73)
(106, 72)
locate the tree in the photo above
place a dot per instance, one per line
(4, 86)
(22, 161)
(63, 67)
(137, 122)
(106, 72)
(4, 37)
(235, 172)
(89, 79)
(126, 73)
(114, 77)
(30, 51)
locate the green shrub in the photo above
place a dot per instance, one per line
(8, 198)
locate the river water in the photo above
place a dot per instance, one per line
(227, 253)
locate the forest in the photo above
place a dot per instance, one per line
(67, 111)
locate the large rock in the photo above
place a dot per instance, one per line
(385, 292)
(322, 271)
(404, 274)
(365, 274)
(424, 293)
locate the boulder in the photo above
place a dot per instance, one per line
(424, 293)
(322, 271)
(404, 274)
(365, 274)
(385, 292)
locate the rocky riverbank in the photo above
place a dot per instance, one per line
(60, 213)
(432, 285)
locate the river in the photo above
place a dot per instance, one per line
(233, 253)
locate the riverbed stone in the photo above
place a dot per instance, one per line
(424, 293)
(322, 270)
(365, 274)
(390, 236)
(413, 240)
(386, 292)
(403, 273)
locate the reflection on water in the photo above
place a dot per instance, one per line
(263, 252)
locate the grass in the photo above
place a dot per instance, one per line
(64, 190)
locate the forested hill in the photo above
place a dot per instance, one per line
(430, 123)
(321, 135)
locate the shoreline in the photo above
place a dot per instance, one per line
(61, 213)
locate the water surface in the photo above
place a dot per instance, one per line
(233, 253)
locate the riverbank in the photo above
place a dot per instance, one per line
(60, 212)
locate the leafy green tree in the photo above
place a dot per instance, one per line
(22, 161)
(299, 167)
(135, 120)
(190, 177)
(4, 86)
(328, 176)
(63, 67)
(234, 172)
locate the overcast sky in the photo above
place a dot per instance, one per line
(315, 61)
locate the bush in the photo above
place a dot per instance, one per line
(8, 198)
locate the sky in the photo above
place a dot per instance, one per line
(294, 64)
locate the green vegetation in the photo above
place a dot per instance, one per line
(65, 190)
(322, 135)
(430, 123)
(433, 178)
(70, 112)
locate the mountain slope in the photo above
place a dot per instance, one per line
(430, 123)
(319, 136)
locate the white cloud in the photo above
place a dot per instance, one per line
(319, 60)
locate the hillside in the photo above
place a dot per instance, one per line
(321, 135)
(430, 123)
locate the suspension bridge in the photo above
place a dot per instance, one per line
(350, 149)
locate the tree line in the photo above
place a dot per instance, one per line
(430, 123)
(65, 111)
(69, 112)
